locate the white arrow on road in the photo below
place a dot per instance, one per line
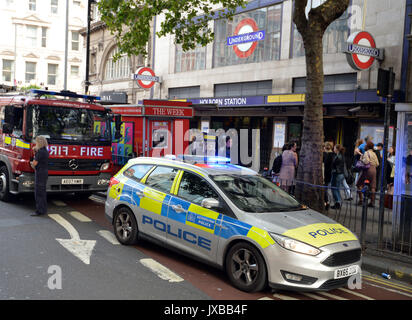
(82, 249)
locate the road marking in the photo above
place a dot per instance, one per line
(59, 203)
(283, 297)
(79, 216)
(391, 290)
(161, 271)
(97, 199)
(313, 296)
(329, 295)
(394, 285)
(81, 249)
(356, 293)
(265, 298)
(109, 236)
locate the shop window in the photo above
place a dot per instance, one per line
(267, 19)
(190, 60)
(242, 89)
(334, 38)
(335, 82)
(184, 92)
(119, 69)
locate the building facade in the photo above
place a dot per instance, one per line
(112, 80)
(32, 46)
(261, 84)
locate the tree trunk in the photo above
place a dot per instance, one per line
(311, 152)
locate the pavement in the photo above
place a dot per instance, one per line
(399, 268)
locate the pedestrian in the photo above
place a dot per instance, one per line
(356, 157)
(337, 177)
(288, 168)
(40, 166)
(228, 146)
(327, 169)
(378, 151)
(390, 167)
(362, 146)
(370, 160)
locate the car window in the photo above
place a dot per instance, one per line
(161, 178)
(137, 171)
(194, 189)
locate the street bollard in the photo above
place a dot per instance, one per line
(366, 194)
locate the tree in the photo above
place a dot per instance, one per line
(131, 21)
(312, 29)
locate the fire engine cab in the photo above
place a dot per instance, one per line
(79, 134)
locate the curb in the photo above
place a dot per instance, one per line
(397, 270)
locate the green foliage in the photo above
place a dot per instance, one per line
(131, 21)
(27, 88)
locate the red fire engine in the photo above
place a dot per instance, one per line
(79, 136)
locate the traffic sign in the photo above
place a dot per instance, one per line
(361, 50)
(245, 38)
(145, 77)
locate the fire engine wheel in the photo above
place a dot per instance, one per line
(5, 194)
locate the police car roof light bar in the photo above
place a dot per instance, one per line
(203, 159)
(63, 93)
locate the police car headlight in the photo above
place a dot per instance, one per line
(295, 245)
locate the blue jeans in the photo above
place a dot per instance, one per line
(336, 182)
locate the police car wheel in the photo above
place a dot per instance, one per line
(125, 226)
(246, 267)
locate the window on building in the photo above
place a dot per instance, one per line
(9, 3)
(267, 20)
(334, 38)
(44, 37)
(30, 71)
(190, 60)
(54, 6)
(31, 36)
(52, 73)
(242, 89)
(32, 5)
(335, 82)
(7, 74)
(119, 69)
(93, 63)
(184, 92)
(75, 40)
(74, 71)
(76, 4)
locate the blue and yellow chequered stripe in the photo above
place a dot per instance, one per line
(195, 216)
(19, 143)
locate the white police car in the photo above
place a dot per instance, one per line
(231, 217)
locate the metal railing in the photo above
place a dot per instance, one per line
(388, 230)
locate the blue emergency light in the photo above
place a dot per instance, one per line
(203, 159)
(64, 93)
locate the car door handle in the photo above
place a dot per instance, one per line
(140, 194)
(178, 208)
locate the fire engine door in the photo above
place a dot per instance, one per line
(160, 137)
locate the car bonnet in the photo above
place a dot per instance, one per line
(307, 226)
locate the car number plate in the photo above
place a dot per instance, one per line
(346, 272)
(72, 181)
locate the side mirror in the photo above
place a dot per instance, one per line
(7, 128)
(210, 203)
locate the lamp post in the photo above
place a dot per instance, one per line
(86, 81)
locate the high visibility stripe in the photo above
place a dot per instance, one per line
(7, 140)
(152, 200)
(201, 218)
(22, 144)
(261, 236)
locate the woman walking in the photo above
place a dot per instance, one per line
(40, 165)
(338, 169)
(288, 168)
(370, 160)
(328, 156)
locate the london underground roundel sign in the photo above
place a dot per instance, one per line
(361, 50)
(245, 38)
(145, 77)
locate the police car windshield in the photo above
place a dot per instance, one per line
(252, 193)
(69, 125)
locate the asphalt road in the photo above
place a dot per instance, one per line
(76, 242)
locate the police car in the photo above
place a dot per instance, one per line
(232, 218)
